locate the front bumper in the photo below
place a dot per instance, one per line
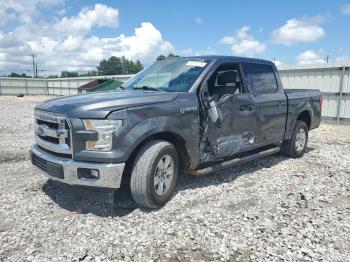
(69, 171)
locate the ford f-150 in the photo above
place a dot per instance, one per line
(191, 115)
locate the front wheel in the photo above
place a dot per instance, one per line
(154, 174)
(295, 147)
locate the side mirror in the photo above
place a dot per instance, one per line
(214, 113)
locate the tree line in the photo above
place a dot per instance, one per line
(111, 66)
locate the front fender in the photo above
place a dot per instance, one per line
(188, 131)
(141, 122)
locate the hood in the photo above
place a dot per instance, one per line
(99, 105)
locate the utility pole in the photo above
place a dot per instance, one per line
(36, 70)
(33, 56)
(327, 59)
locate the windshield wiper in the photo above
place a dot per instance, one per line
(148, 88)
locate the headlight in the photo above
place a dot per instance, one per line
(104, 129)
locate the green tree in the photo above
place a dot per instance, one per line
(52, 76)
(118, 66)
(169, 56)
(69, 74)
(111, 66)
(126, 65)
(173, 56)
(138, 66)
(17, 75)
(160, 58)
(89, 73)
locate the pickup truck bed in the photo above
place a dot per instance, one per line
(308, 99)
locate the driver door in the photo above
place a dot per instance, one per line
(239, 126)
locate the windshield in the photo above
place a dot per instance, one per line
(173, 75)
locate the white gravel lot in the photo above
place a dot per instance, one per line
(271, 209)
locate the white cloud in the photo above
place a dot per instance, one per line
(343, 58)
(243, 43)
(69, 43)
(24, 11)
(310, 57)
(305, 29)
(146, 43)
(199, 20)
(101, 15)
(346, 9)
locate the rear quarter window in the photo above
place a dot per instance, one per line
(261, 77)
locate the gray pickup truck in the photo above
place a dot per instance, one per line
(191, 115)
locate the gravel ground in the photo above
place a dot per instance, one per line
(270, 209)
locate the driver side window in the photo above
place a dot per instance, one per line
(226, 80)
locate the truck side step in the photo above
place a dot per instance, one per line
(236, 161)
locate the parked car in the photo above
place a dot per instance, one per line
(190, 115)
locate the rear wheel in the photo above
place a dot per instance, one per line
(154, 174)
(295, 147)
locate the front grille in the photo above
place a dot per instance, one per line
(52, 132)
(50, 139)
(49, 124)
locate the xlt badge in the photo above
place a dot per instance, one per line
(187, 109)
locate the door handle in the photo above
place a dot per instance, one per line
(246, 108)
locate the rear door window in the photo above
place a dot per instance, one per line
(261, 77)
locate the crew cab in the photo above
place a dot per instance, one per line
(192, 115)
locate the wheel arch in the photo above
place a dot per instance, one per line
(177, 140)
(306, 117)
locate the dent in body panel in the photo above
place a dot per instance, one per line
(100, 104)
(143, 122)
(226, 146)
(237, 134)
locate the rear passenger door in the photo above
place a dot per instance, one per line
(269, 99)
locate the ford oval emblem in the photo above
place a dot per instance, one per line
(41, 130)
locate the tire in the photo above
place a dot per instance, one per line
(295, 147)
(151, 167)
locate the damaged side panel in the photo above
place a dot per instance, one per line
(237, 133)
(179, 119)
(230, 145)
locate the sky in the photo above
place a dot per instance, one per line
(75, 35)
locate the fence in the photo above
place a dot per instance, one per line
(52, 86)
(332, 79)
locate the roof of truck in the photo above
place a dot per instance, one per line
(231, 58)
